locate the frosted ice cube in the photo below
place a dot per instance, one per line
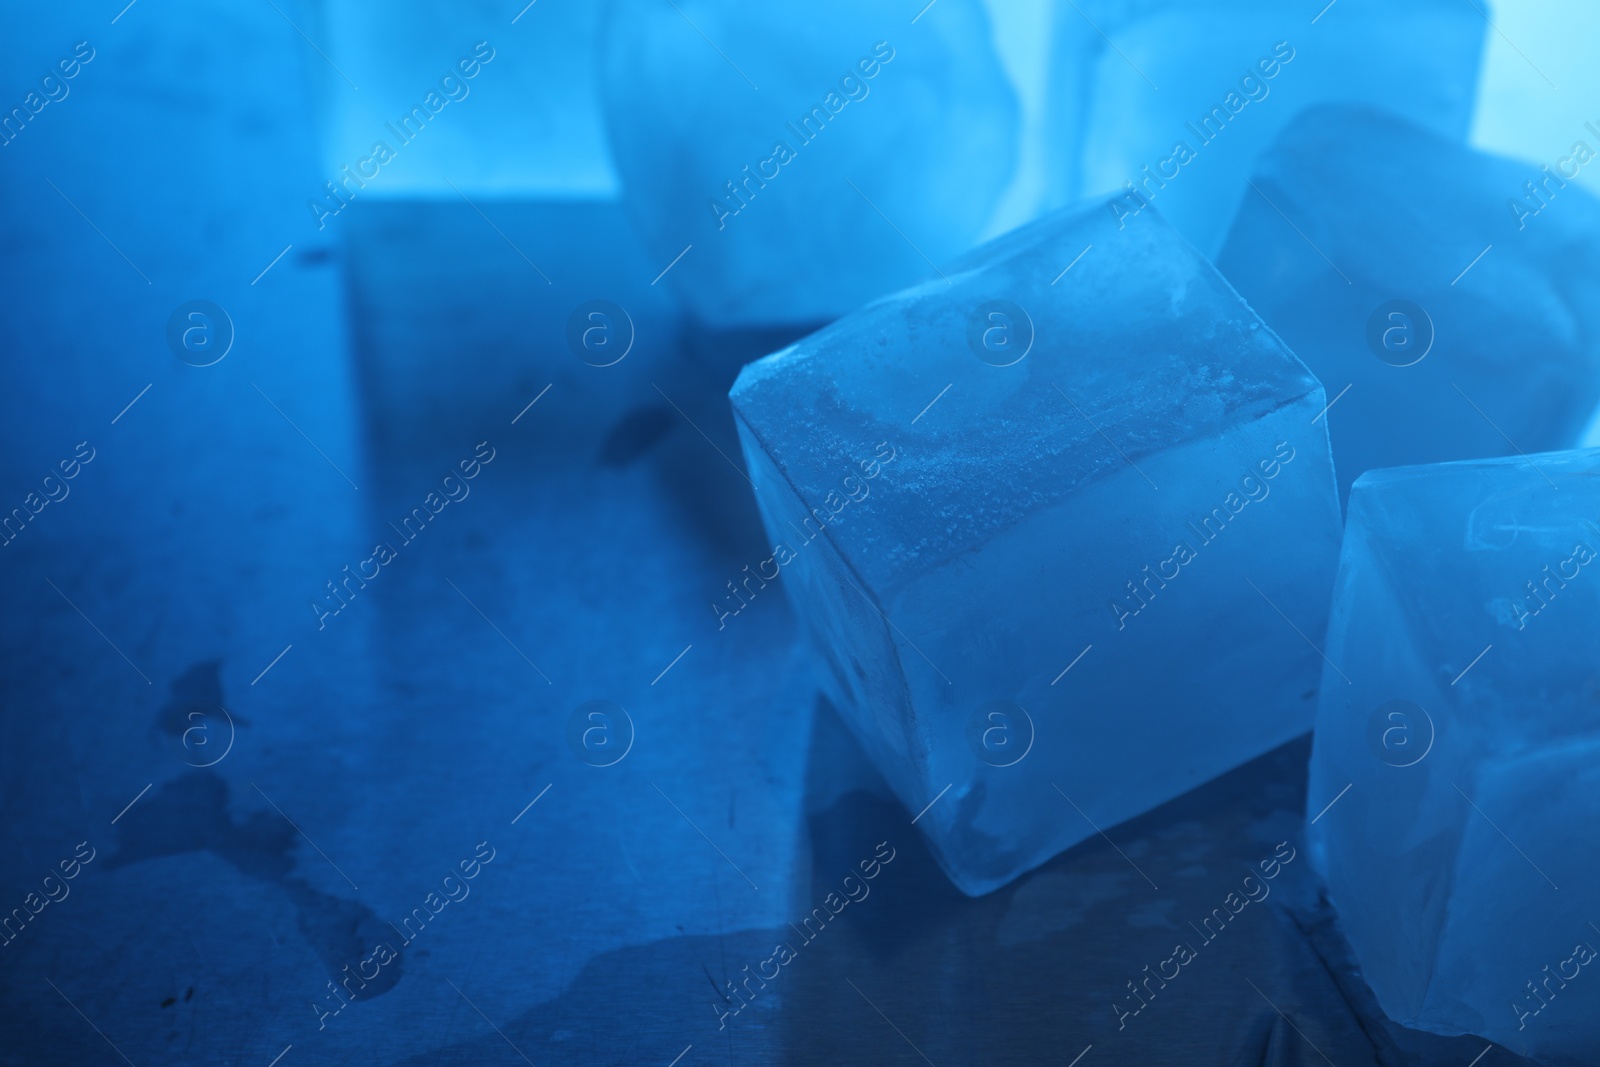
(1053, 522)
(1232, 74)
(1455, 777)
(789, 160)
(1450, 291)
(473, 100)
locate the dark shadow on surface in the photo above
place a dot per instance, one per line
(190, 814)
(1025, 975)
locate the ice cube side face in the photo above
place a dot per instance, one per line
(1461, 708)
(1399, 263)
(1066, 588)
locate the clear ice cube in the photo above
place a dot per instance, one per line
(1455, 782)
(790, 161)
(1062, 526)
(1447, 294)
(1132, 81)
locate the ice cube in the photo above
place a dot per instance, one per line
(471, 102)
(1449, 291)
(1231, 74)
(1456, 768)
(1053, 522)
(788, 161)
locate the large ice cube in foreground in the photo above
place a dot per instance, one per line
(1455, 787)
(1450, 291)
(792, 159)
(1062, 527)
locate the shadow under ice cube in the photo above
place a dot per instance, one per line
(1091, 574)
(1465, 873)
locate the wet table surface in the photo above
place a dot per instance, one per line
(299, 888)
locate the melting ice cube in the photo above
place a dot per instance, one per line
(1062, 525)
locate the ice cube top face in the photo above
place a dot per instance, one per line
(1458, 744)
(1052, 521)
(812, 155)
(1451, 291)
